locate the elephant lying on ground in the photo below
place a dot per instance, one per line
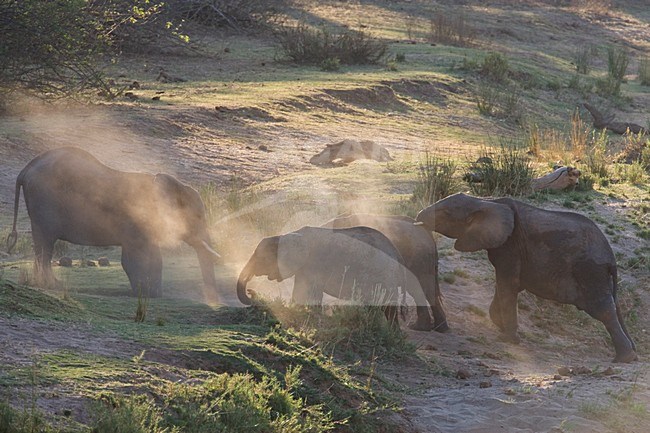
(357, 263)
(561, 256)
(420, 254)
(72, 196)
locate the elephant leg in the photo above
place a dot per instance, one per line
(418, 290)
(503, 309)
(43, 248)
(306, 291)
(434, 296)
(142, 263)
(623, 345)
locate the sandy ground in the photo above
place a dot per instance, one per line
(559, 379)
(508, 388)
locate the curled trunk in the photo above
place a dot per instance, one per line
(244, 277)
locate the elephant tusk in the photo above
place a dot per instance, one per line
(418, 223)
(209, 248)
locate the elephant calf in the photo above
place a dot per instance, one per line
(561, 256)
(420, 254)
(358, 263)
(72, 196)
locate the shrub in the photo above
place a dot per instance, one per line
(236, 14)
(305, 45)
(495, 67)
(633, 173)
(595, 155)
(582, 59)
(617, 62)
(450, 29)
(22, 421)
(331, 65)
(507, 171)
(436, 180)
(498, 101)
(644, 71)
(131, 415)
(51, 48)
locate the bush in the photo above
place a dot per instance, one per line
(131, 415)
(595, 155)
(349, 330)
(450, 29)
(582, 59)
(51, 48)
(330, 65)
(436, 180)
(305, 45)
(498, 101)
(617, 62)
(495, 67)
(236, 14)
(644, 71)
(507, 171)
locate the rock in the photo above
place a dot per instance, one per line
(463, 374)
(90, 263)
(564, 371)
(557, 377)
(103, 261)
(510, 391)
(346, 151)
(65, 262)
(485, 384)
(608, 371)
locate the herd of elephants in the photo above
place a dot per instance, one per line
(561, 256)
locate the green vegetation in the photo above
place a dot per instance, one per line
(242, 117)
(504, 171)
(306, 45)
(203, 363)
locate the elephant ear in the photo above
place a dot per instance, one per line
(170, 190)
(293, 253)
(487, 227)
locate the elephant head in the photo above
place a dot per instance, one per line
(277, 257)
(181, 216)
(476, 224)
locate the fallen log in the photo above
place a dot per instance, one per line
(602, 122)
(561, 178)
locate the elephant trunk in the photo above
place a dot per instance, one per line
(244, 277)
(427, 218)
(207, 257)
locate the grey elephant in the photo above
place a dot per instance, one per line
(418, 249)
(72, 196)
(356, 263)
(561, 256)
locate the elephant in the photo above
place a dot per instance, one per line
(420, 254)
(357, 263)
(561, 256)
(72, 196)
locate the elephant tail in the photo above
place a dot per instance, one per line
(13, 236)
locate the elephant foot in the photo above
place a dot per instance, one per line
(441, 327)
(626, 357)
(421, 325)
(509, 338)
